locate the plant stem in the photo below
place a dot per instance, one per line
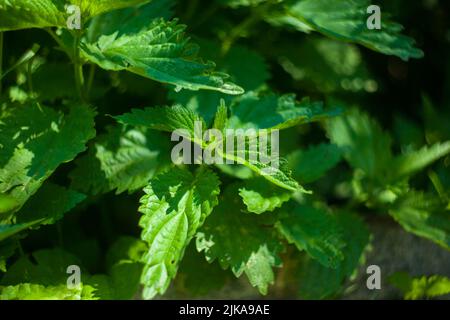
(1, 61)
(241, 28)
(78, 67)
(29, 76)
(254, 17)
(27, 56)
(30, 82)
(59, 42)
(205, 16)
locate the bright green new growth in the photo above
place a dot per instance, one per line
(122, 159)
(29, 291)
(280, 112)
(259, 196)
(420, 288)
(177, 117)
(176, 204)
(310, 165)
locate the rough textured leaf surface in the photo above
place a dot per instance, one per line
(176, 204)
(160, 52)
(315, 231)
(34, 141)
(240, 242)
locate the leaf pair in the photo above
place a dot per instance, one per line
(246, 114)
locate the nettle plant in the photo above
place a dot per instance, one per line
(75, 158)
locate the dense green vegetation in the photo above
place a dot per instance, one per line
(87, 112)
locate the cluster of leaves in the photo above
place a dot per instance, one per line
(62, 153)
(421, 288)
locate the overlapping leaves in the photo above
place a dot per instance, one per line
(240, 242)
(158, 50)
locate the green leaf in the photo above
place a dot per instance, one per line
(43, 278)
(160, 52)
(23, 14)
(30, 291)
(268, 111)
(166, 119)
(420, 287)
(318, 282)
(315, 231)
(346, 20)
(34, 141)
(124, 158)
(177, 117)
(366, 146)
(240, 242)
(197, 277)
(411, 162)
(241, 3)
(123, 270)
(204, 103)
(279, 175)
(7, 250)
(8, 230)
(259, 196)
(175, 205)
(424, 215)
(245, 67)
(55, 80)
(90, 8)
(125, 248)
(236, 170)
(49, 204)
(129, 20)
(47, 268)
(326, 65)
(221, 118)
(312, 164)
(121, 283)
